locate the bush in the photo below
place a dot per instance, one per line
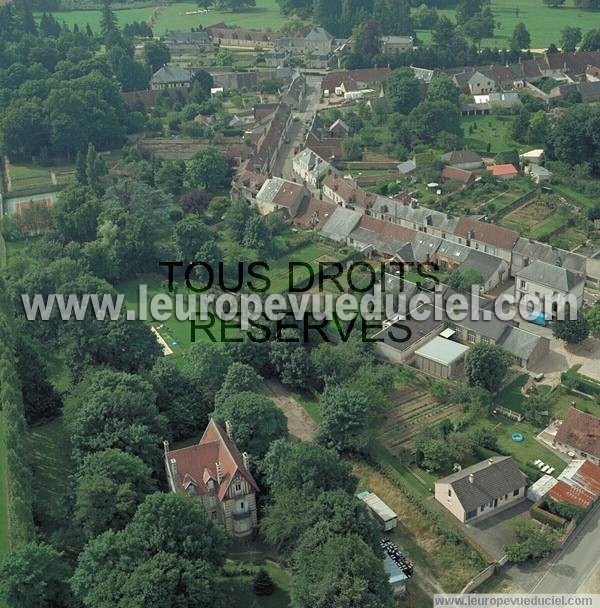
(263, 584)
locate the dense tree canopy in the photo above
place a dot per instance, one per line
(486, 366)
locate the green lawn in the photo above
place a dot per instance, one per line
(542, 22)
(264, 16)
(492, 130)
(51, 466)
(239, 588)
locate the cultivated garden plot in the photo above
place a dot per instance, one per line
(411, 411)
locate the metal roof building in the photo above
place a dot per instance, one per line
(441, 357)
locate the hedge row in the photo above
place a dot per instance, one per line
(574, 380)
(14, 436)
(545, 517)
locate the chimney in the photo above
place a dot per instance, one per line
(229, 429)
(219, 472)
(490, 461)
(471, 478)
(246, 458)
(173, 467)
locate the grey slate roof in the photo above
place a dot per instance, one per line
(519, 342)
(341, 223)
(407, 166)
(425, 245)
(534, 250)
(458, 157)
(555, 277)
(171, 73)
(481, 262)
(454, 251)
(418, 215)
(318, 34)
(491, 479)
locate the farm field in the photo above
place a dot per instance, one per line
(265, 16)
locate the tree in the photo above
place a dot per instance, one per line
(40, 399)
(116, 410)
(570, 37)
(433, 453)
(539, 127)
(108, 21)
(442, 88)
(464, 280)
(205, 367)
(256, 421)
(194, 201)
(156, 54)
(403, 91)
(156, 559)
(189, 234)
(341, 571)
(240, 378)
(202, 83)
(236, 217)
(593, 319)
(345, 420)
(591, 40)
(366, 38)
(307, 467)
(555, 4)
(263, 583)
(291, 359)
(34, 575)
(338, 363)
(185, 410)
(572, 331)
(110, 486)
(256, 234)
(292, 512)
(95, 168)
(521, 39)
(486, 366)
(208, 169)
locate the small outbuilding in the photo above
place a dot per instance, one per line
(387, 519)
(441, 358)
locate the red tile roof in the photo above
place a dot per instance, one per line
(502, 170)
(580, 431)
(387, 231)
(349, 191)
(197, 464)
(500, 237)
(563, 492)
(313, 213)
(459, 175)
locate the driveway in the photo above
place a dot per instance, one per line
(562, 356)
(495, 531)
(300, 424)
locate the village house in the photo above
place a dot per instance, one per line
(179, 42)
(503, 172)
(310, 167)
(482, 489)
(544, 280)
(485, 237)
(215, 472)
(277, 194)
(241, 38)
(395, 44)
(463, 159)
(170, 77)
(579, 434)
(538, 173)
(318, 40)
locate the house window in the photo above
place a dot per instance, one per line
(471, 514)
(213, 515)
(449, 492)
(516, 492)
(471, 337)
(522, 284)
(238, 487)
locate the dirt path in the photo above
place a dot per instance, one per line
(300, 424)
